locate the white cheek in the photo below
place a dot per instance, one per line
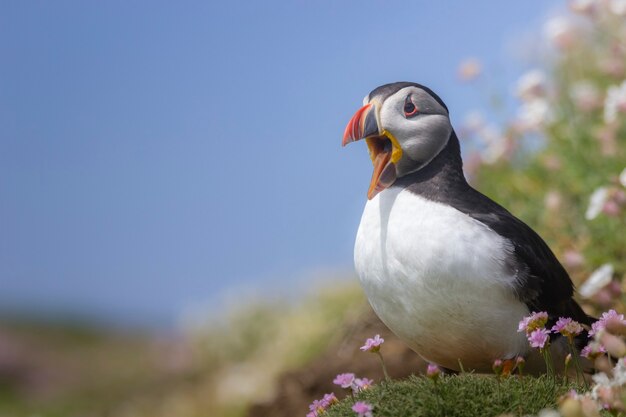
(426, 136)
(390, 113)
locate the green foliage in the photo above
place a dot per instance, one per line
(466, 395)
(571, 152)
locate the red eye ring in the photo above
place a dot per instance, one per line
(410, 109)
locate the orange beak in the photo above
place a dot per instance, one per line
(355, 128)
(383, 147)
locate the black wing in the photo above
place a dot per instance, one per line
(542, 282)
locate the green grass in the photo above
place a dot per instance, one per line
(465, 395)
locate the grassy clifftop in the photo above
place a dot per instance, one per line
(465, 395)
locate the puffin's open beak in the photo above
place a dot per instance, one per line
(384, 149)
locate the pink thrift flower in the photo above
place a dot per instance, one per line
(561, 32)
(373, 345)
(362, 409)
(317, 406)
(592, 350)
(567, 327)
(497, 366)
(573, 259)
(362, 383)
(329, 399)
(433, 371)
(469, 69)
(533, 322)
(601, 323)
(539, 338)
(344, 380)
(532, 85)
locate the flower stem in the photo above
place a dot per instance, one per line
(547, 357)
(579, 369)
(382, 362)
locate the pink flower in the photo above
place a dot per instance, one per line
(360, 384)
(469, 69)
(497, 366)
(318, 407)
(592, 350)
(582, 6)
(561, 32)
(329, 399)
(373, 345)
(567, 327)
(553, 200)
(533, 322)
(362, 409)
(611, 208)
(532, 85)
(573, 259)
(433, 371)
(538, 338)
(344, 380)
(601, 323)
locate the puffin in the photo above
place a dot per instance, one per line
(448, 270)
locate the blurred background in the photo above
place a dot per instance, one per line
(177, 215)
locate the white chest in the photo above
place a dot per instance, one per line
(437, 278)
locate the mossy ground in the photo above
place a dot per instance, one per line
(466, 395)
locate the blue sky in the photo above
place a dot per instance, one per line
(155, 155)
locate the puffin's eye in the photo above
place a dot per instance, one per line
(409, 108)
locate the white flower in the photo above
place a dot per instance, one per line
(602, 381)
(619, 373)
(560, 31)
(622, 178)
(546, 412)
(596, 202)
(615, 102)
(598, 279)
(531, 85)
(496, 144)
(494, 152)
(534, 114)
(585, 95)
(474, 121)
(617, 7)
